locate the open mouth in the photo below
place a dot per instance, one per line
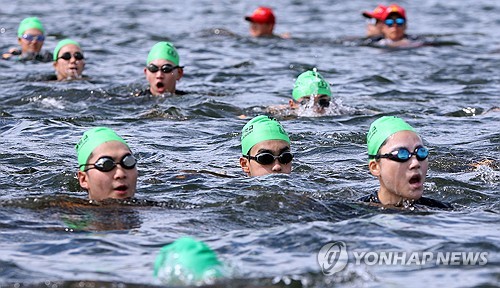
(160, 85)
(415, 179)
(121, 188)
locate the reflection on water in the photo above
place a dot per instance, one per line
(190, 183)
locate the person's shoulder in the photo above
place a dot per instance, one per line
(429, 202)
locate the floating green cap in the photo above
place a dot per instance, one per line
(29, 23)
(310, 83)
(61, 44)
(261, 128)
(91, 139)
(163, 50)
(187, 261)
(383, 128)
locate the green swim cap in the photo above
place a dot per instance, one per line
(383, 128)
(61, 44)
(91, 139)
(187, 261)
(261, 128)
(163, 50)
(310, 83)
(29, 23)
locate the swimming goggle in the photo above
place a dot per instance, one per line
(106, 163)
(166, 68)
(267, 158)
(29, 37)
(67, 56)
(399, 21)
(403, 154)
(323, 102)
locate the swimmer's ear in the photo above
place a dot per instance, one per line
(82, 178)
(19, 40)
(244, 163)
(374, 168)
(293, 104)
(145, 71)
(180, 73)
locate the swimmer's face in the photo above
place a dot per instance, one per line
(275, 147)
(161, 82)
(321, 102)
(33, 46)
(119, 183)
(72, 68)
(261, 29)
(400, 180)
(394, 32)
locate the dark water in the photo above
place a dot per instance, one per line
(270, 229)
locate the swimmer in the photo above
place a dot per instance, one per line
(311, 92)
(399, 159)
(374, 27)
(30, 36)
(394, 28)
(187, 261)
(162, 70)
(265, 147)
(107, 167)
(68, 60)
(311, 89)
(262, 23)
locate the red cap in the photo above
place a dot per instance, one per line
(377, 12)
(393, 8)
(262, 15)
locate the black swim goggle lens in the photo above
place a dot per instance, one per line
(106, 163)
(323, 102)
(67, 56)
(165, 68)
(267, 158)
(403, 154)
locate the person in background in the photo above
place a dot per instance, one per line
(311, 90)
(68, 60)
(399, 159)
(187, 261)
(265, 147)
(394, 29)
(162, 70)
(30, 36)
(262, 23)
(374, 27)
(107, 167)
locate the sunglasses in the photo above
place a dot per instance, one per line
(323, 102)
(106, 163)
(29, 37)
(399, 21)
(67, 56)
(267, 158)
(403, 154)
(166, 68)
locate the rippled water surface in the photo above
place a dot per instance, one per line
(269, 229)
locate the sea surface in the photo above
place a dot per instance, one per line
(267, 230)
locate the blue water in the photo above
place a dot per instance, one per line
(268, 230)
